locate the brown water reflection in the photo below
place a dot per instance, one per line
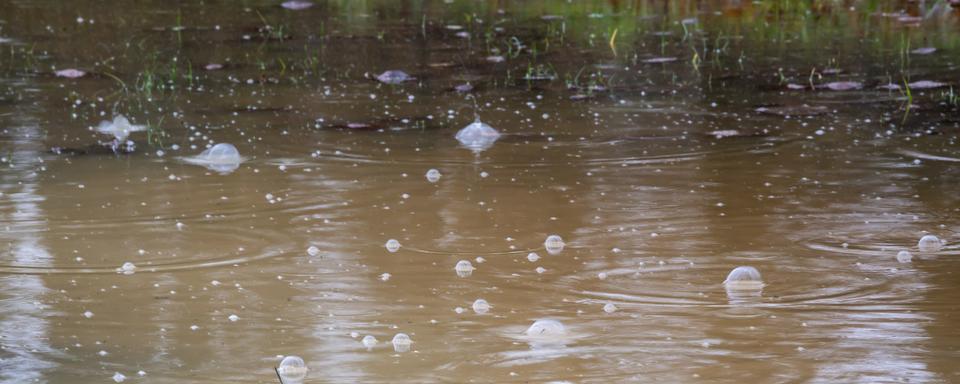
(660, 177)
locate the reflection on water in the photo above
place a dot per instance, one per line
(631, 155)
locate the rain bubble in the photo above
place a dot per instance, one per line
(401, 342)
(369, 342)
(118, 377)
(602, 275)
(222, 158)
(904, 256)
(433, 175)
(609, 308)
(233, 318)
(127, 268)
(464, 268)
(481, 306)
(546, 328)
(929, 243)
(554, 244)
(392, 245)
(533, 257)
(292, 369)
(313, 250)
(743, 279)
(477, 136)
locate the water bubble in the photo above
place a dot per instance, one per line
(127, 268)
(369, 342)
(313, 250)
(554, 244)
(392, 245)
(481, 306)
(904, 256)
(401, 342)
(743, 279)
(433, 175)
(477, 136)
(540, 270)
(929, 243)
(292, 369)
(222, 158)
(385, 276)
(118, 377)
(464, 268)
(393, 77)
(602, 275)
(88, 314)
(533, 257)
(233, 318)
(546, 328)
(610, 308)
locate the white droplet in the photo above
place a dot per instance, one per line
(481, 306)
(464, 268)
(392, 245)
(904, 256)
(292, 368)
(929, 243)
(546, 328)
(433, 175)
(118, 377)
(234, 318)
(554, 244)
(369, 342)
(401, 342)
(313, 250)
(533, 257)
(609, 308)
(744, 279)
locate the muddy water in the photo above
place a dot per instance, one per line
(660, 177)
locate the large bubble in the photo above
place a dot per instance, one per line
(929, 243)
(401, 342)
(223, 158)
(546, 329)
(554, 244)
(477, 136)
(292, 369)
(392, 245)
(744, 279)
(464, 268)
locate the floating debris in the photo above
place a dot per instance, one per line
(554, 244)
(843, 85)
(401, 342)
(929, 243)
(478, 136)
(744, 279)
(120, 128)
(464, 268)
(292, 369)
(296, 5)
(660, 60)
(71, 73)
(794, 110)
(904, 256)
(392, 245)
(369, 342)
(223, 158)
(393, 77)
(481, 306)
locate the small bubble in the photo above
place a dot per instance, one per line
(610, 308)
(554, 244)
(313, 251)
(392, 245)
(292, 368)
(118, 377)
(401, 342)
(464, 268)
(480, 306)
(88, 314)
(433, 175)
(533, 257)
(233, 318)
(904, 256)
(369, 342)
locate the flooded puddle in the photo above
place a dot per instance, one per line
(457, 191)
